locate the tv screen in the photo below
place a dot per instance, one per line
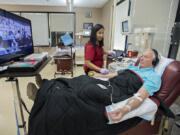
(66, 39)
(125, 26)
(15, 36)
(56, 37)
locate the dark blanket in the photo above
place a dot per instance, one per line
(77, 106)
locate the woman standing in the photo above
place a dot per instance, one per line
(94, 51)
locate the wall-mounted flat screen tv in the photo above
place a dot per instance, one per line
(15, 36)
(125, 27)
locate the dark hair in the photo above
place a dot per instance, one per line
(94, 30)
(156, 58)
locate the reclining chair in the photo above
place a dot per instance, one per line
(168, 93)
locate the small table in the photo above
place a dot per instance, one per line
(13, 78)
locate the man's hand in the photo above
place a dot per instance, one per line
(117, 115)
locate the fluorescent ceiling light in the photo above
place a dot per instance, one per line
(70, 1)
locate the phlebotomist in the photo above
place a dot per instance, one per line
(94, 51)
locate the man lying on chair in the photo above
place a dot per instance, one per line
(76, 106)
(151, 82)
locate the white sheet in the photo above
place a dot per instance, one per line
(65, 51)
(146, 110)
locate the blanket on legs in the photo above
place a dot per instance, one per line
(77, 106)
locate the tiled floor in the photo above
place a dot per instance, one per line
(7, 112)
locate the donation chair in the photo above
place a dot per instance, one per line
(168, 93)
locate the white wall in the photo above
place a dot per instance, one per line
(121, 14)
(107, 11)
(159, 14)
(81, 18)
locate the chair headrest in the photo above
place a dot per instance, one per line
(170, 87)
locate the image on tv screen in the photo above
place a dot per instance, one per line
(15, 34)
(66, 39)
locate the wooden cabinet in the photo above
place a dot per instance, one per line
(64, 64)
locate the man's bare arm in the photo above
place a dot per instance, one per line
(132, 104)
(136, 101)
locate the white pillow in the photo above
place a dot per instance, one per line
(163, 62)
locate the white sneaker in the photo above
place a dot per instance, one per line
(31, 91)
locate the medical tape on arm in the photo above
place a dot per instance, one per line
(132, 99)
(138, 97)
